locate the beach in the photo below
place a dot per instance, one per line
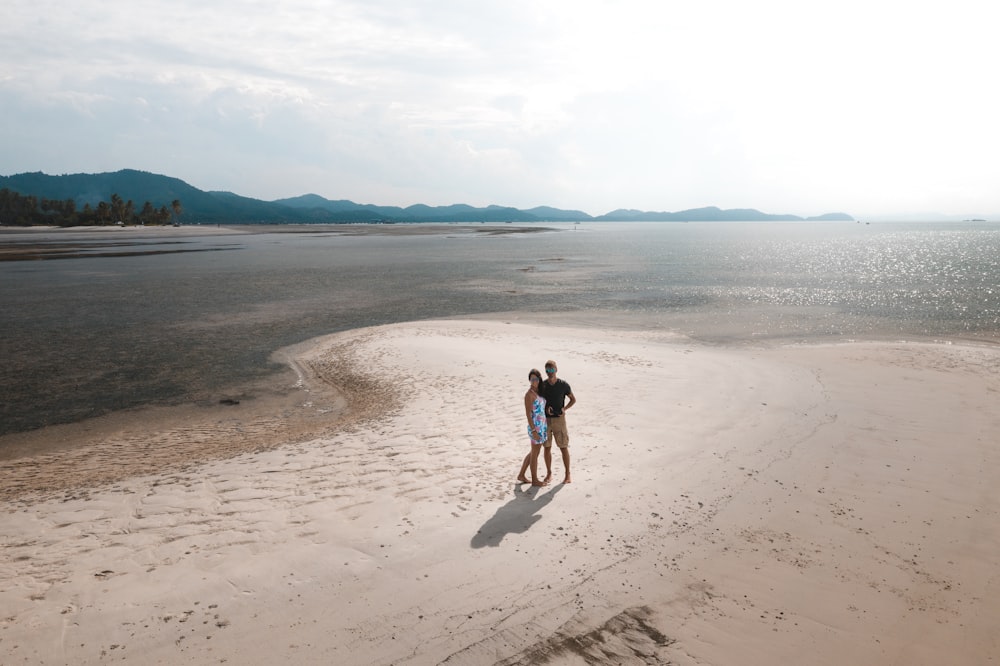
(793, 503)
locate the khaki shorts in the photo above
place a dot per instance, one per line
(558, 432)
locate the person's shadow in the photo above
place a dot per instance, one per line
(514, 517)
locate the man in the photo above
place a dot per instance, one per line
(555, 391)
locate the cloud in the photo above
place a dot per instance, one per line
(787, 106)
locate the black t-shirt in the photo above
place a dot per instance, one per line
(555, 396)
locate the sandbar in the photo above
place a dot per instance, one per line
(820, 504)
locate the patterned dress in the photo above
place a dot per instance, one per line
(538, 418)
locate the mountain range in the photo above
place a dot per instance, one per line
(229, 208)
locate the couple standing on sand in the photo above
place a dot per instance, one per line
(545, 406)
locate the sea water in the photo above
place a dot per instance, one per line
(176, 319)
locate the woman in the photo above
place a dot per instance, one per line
(534, 409)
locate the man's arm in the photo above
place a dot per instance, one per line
(572, 401)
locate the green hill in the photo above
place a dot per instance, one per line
(141, 186)
(713, 214)
(229, 208)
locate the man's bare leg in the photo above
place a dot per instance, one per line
(565, 457)
(548, 464)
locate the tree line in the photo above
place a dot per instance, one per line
(25, 210)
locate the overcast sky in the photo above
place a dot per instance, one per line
(868, 107)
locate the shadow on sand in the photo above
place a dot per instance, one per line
(515, 517)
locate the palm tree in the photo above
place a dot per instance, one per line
(118, 208)
(65, 212)
(103, 212)
(148, 213)
(177, 209)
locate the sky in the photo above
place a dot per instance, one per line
(869, 107)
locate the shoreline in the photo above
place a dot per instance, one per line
(288, 397)
(830, 503)
(307, 400)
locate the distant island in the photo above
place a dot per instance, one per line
(164, 193)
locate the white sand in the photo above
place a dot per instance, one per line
(800, 505)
